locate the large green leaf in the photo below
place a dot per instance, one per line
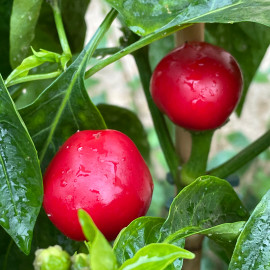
(24, 17)
(252, 250)
(20, 176)
(246, 41)
(156, 256)
(144, 17)
(127, 122)
(139, 233)
(207, 202)
(5, 12)
(102, 255)
(62, 109)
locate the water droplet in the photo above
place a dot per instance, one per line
(80, 149)
(195, 101)
(97, 135)
(67, 146)
(49, 215)
(63, 183)
(94, 150)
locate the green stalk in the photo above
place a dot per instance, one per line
(133, 47)
(60, 28)
(34, 78)
(102, 52)
(197, 163)
(243, 157)
(142, 61)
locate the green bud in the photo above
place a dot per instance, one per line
(52, 258)
(80, 261)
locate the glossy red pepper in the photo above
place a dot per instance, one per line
(197, 85)
(101, 172)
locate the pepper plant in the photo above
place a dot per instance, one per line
(43, 53)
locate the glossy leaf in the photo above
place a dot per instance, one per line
(5, 12)
(207, 202)
(21, 180)
(253, 246)
(127, 122)
(156, 256)
(102, 256)
(146, 17)
(24, 17)
(224, 234)
(62, 109)
(139, 233)
(246, 41)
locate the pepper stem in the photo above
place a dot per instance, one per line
(197, 163)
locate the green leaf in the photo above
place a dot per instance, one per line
(224, 234)
(253, 245)
(127, 122)
(5, 12)
(146, 17)
(207, 202)
(139, 233)
(102, 256)
(62, 109)
(23, 21)
(31, 62)
(156, 256)
(247, 42)
(21, 180)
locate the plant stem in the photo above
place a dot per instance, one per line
(133, 47)
(183, 143)
(34, 78)
(60, 28)
(99, 34)
(196, 165)
(243, 157)
(102, 52)
(142, 61)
